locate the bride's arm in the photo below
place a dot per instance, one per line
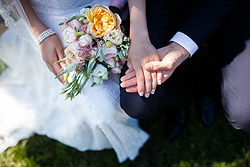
(51, 47)
(141, 50)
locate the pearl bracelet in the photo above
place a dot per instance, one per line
(44, 35)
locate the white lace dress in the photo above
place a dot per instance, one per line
(30, 101)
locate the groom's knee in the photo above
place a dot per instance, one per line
(141, 113)
(138, 107)
(238, 116)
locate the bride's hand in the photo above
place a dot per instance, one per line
(141, 52)
(52, 51)
(51, 47)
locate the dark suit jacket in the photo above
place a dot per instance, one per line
(196, 18)
(206, 17)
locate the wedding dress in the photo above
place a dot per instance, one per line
(30, 101)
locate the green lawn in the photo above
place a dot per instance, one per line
(217, 146)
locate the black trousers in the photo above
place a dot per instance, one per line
(230, 45)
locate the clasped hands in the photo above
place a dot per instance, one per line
(151, 68)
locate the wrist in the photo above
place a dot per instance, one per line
(184, 52)
(38, 27)
(140, 35)
(45, 34)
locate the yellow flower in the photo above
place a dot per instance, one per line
(101, 19)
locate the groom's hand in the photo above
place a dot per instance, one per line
(171, 57)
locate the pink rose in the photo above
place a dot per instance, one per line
(108, 52)
(116, 70)
(84, 28)
(69, 34)
(111, 63)
(85, 40)
(75, 24)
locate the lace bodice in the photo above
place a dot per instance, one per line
(62, 6)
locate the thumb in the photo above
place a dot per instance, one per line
(154, 66)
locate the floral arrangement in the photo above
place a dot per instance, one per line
(96, 46)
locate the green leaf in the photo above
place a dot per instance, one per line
(69, 69)
(72, 18)
(67, 85)
(64, 91)
(60, 61)
(102, 54)
(67, 96)
(121, 56)
(91, 65)
(93, 84)
(83, 83)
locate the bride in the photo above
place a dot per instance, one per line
(29, 92)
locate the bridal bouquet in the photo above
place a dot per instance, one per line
(96, 47)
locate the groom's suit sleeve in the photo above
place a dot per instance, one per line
(205, 19)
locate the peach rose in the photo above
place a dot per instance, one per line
(73, 54)
(101, 19)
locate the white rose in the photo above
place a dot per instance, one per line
(114, 36)
(69, 34)
(85, 40)
(99, 71)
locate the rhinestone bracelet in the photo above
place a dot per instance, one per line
(44, 35)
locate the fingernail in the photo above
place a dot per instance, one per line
(152, 91)
(141, 93)
(159, 82)
(147, 95)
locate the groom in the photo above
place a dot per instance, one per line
(177, 29)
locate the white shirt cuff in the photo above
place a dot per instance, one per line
(186, 42)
